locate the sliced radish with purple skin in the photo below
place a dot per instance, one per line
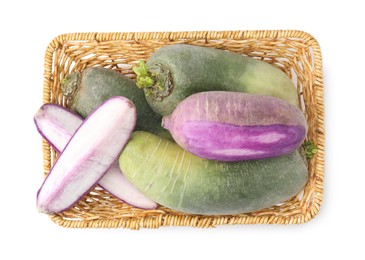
(88, 155)
(57, 125)
(234, 126)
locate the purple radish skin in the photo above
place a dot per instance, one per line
(88, 155)
(232, 126)
(57, 124)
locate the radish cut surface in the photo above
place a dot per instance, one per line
(88, 155)
(57, 125)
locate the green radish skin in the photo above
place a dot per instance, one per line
(175, 72)
(179, 180)
(87, 90)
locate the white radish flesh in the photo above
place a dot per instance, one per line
(57, 125)
(88, 155)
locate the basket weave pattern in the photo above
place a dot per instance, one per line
(296, 53)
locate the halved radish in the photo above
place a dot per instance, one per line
(57, 124)
(88, 155)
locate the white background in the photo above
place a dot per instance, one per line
(26, 29)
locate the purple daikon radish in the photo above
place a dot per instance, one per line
(233, 126)
(57, 125)
(88, 155)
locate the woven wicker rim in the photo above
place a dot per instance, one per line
(308, 209)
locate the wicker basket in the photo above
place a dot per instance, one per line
(296, 53)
